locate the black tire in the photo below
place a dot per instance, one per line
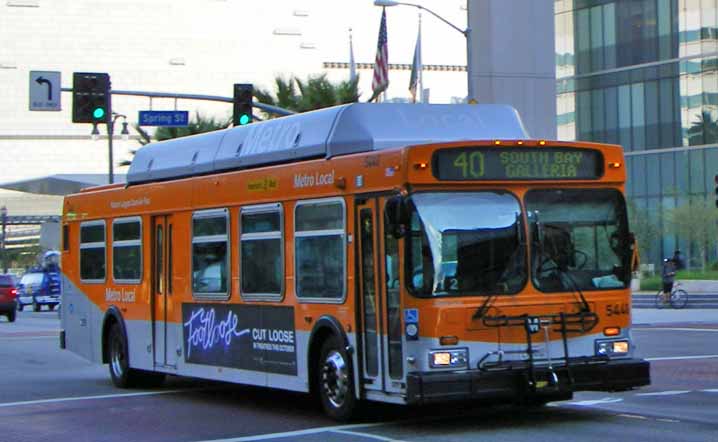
(51, 307)
(122, 375)
(35, 306)
(335, 380)
(679, 298)
(11, 316)
(120, 372)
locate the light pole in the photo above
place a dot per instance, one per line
(471, 98)
(110, 136)
(3, 216)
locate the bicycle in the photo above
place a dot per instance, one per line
(677, 300)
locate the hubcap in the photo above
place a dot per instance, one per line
(335, 378)
(117, 358)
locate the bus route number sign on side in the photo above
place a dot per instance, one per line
(163, 118)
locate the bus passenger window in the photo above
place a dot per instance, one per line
(210, 243)
(92, 251)
(261, 258)
(319, 249)
(127, 250)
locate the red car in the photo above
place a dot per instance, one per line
(8, 297)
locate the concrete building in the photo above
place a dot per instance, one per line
(644, 74)
(197, 47)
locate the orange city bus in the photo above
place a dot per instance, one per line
(387, 252)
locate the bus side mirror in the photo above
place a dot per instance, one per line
(396, 216)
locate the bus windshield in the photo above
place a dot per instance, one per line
(579, 239)
(465, 243)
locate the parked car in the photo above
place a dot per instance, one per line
(38, 288)
(8, 296)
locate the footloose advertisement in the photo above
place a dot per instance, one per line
(250, 337)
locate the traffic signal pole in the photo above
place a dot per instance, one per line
(111, 117)
(276, 110)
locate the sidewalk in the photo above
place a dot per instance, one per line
(642, 316)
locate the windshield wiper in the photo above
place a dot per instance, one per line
(583, 304)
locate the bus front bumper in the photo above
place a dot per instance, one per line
(510, 384)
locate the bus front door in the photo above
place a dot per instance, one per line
(381, 337)
(164, 339)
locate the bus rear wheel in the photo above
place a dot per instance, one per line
(119, 367)
(336, 381)
(122, 375)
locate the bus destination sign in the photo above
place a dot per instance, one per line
(512, 163)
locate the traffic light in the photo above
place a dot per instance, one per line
(242, 111)
(91, 98)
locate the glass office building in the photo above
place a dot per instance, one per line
(644, 74)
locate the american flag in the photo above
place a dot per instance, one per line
(381, 64)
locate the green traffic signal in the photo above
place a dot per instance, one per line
(244, 119)
(98, 113)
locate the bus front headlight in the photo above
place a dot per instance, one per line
(458, 358)
(613, 348)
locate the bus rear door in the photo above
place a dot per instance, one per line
(165, 340)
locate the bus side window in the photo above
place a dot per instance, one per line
(319, 252)
(92, 251)
(210, 244)
(261, 252)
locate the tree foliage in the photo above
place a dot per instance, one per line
(644, 227)
(695, 221)
(291, 93)
(316, 92)
(704, 130)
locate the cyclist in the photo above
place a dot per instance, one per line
(668, 275)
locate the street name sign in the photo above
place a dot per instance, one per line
(45, 91)
(163, 118)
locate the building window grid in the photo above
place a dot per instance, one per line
(682, 96)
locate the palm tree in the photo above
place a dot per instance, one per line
(704, 130)
(293, 94)
(316, 92)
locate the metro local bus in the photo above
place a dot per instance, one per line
(402, 253)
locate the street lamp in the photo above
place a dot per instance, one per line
(110, 135)
(465, 32)
(3, 219)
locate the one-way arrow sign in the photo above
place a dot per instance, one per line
(44, 91)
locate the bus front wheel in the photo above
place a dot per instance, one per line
(336, 381)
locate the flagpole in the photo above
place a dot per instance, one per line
(352, 63)
(421, 67)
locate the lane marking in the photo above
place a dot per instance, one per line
(664, 393)
(633, 416)
(589, 403)
(680, 358)
(670, 421)
(367, 435)
(711, 390)
(714, 330)
(86, 398)
(308, 431)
